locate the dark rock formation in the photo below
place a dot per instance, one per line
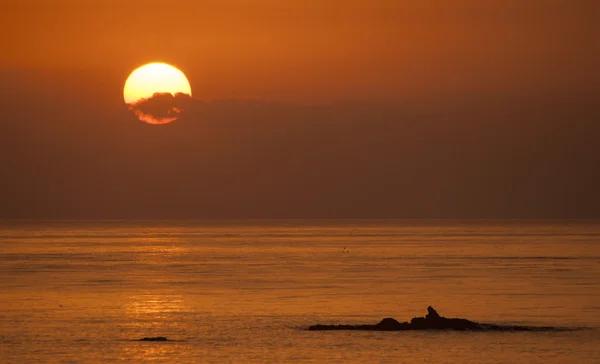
(157, 338)
(432, 321)
(432, 313)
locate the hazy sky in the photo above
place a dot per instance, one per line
(344, 109)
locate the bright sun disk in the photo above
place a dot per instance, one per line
(151, 78)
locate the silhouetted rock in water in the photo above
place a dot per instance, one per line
(432, 313)
(157, 338)
(432, 321)
(389, 324)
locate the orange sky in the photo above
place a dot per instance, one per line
(316, 50)
(383, 109)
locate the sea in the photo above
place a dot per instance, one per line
(246, 291)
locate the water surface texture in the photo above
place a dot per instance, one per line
(245, 291)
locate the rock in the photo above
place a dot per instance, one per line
(156, 338)
(432, 321)
(432, 314)
(389, 324)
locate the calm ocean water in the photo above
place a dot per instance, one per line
(245, 291)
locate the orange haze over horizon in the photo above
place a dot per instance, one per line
(310, 109)
(317, 51)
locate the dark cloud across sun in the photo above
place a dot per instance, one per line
(161, 108)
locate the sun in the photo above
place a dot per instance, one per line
(155, 80)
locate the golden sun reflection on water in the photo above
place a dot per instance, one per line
(152, 314)
(145, 304)
(150, 351)
(158, 246)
